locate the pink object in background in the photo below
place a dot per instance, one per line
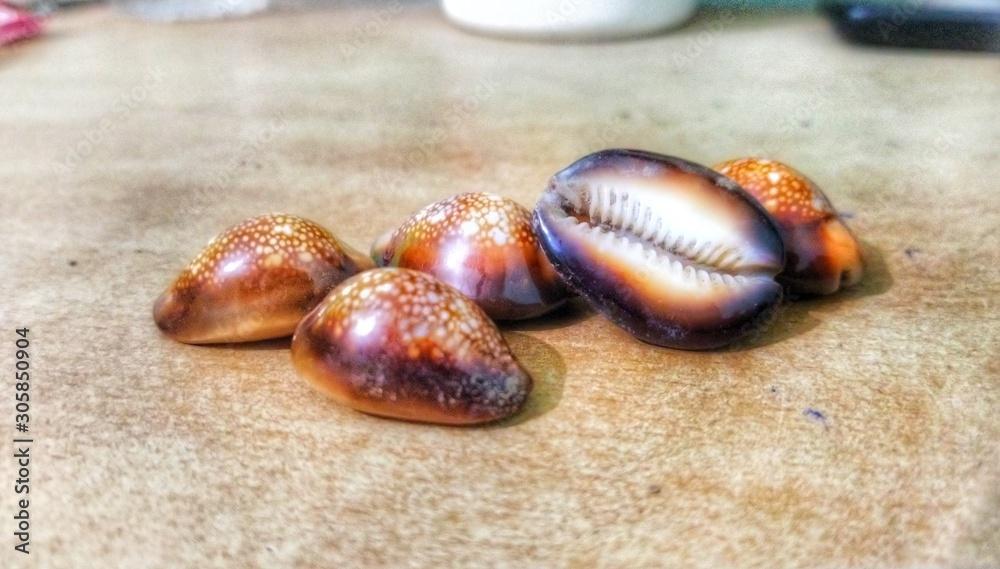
(17, 25)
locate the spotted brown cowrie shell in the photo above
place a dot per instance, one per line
(823, 256)
(402, 344)
(483, 245)
(254, 281)
(669, 250)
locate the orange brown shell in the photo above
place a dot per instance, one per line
(483, 245)
(256, 280)
(823, 255)
(399, 343)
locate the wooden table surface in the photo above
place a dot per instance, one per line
(859, 431)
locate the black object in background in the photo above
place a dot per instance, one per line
(954, 24)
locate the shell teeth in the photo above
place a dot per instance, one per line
(576, 195)
(613, 205)
(636, 219)
(713, 254)
(666, 262)
(649, 227)
(594, 212)
(662, 235)
(722, 260)
(620, 221)
(633, 222)
(610, 209)
(698, 253)
(602, 210)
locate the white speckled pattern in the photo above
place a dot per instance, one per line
(400, 343)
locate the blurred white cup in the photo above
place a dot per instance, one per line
(568, 19)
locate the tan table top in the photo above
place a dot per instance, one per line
(127, 146)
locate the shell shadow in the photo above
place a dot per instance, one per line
(575, 310)
(548, 370)
(284, 343)
(545, 365)
(796, 317)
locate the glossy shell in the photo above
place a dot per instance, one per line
(671, 251)
(823, 255)
(402, 344)
(255, 281)
(483, 245)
